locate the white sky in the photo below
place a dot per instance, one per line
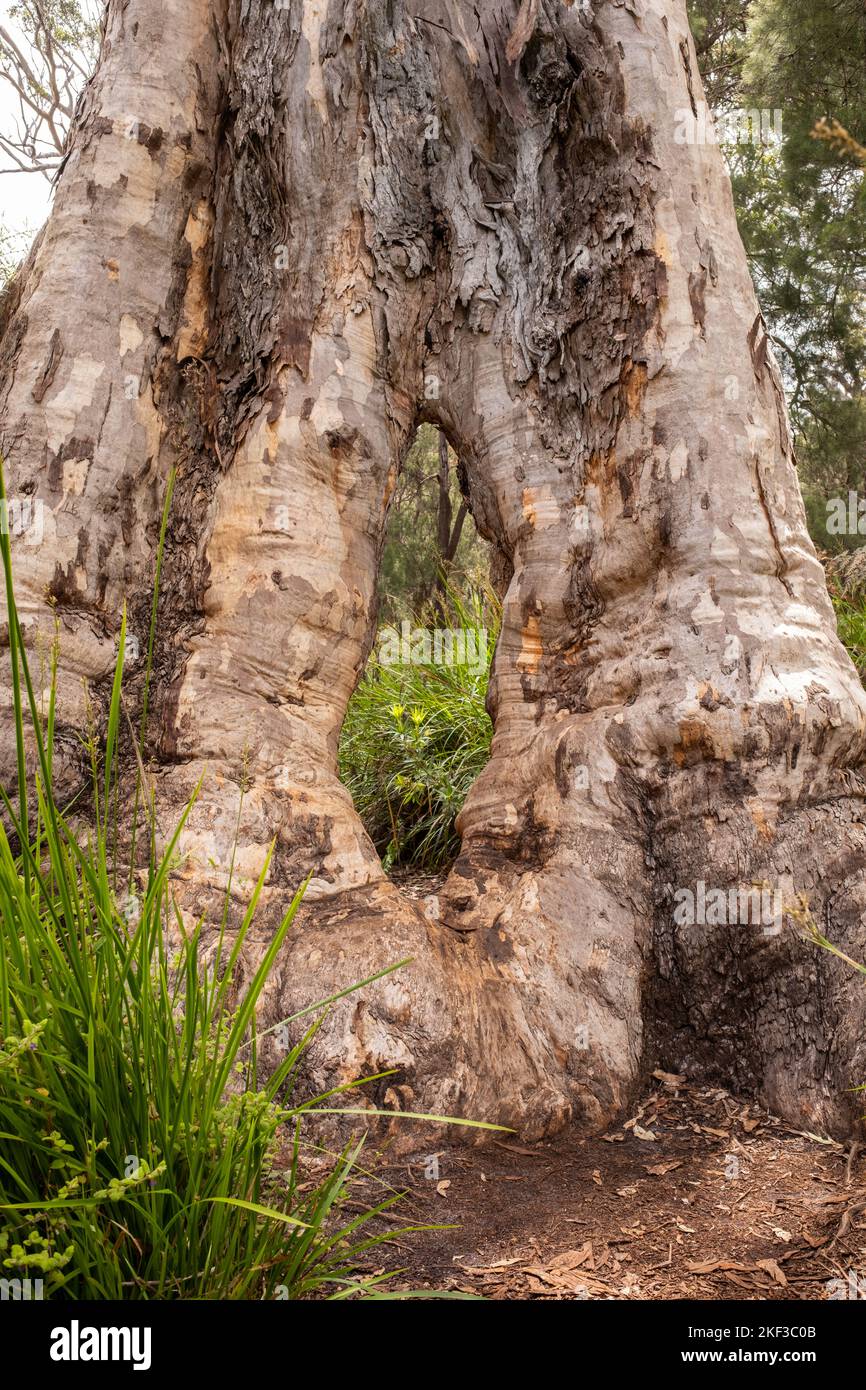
(24, 198)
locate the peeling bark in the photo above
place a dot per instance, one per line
(341, 220)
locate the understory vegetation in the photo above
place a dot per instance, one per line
(417, 733)
(851, 618)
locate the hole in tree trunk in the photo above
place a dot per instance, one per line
(417, 732)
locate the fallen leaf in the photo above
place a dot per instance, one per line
(443, 1186)
(519, 1149)
(626, 1192)
(645, 1134)
(658, 1170)
(814, 1241)
(597, 1178)
(772, 1268)
(710, 1266)
(669, 1078)
(573, 1259)
(488, 1269)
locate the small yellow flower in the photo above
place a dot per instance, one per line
(398, 711)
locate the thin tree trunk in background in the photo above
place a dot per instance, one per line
(336, 222)
(443, 515)
(448, 528)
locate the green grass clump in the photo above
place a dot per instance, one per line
(851, 620)
(136, 1148)
(416, 737)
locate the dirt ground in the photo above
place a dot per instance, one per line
(698, 1195)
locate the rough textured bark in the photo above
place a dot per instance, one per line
(303, 229)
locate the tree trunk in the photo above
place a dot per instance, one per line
(448, 528)
(287, 233)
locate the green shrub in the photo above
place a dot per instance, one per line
(851, 619)
(416, 736)
(130, 1166)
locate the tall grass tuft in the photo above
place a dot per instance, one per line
(417, 735)
(851, 620)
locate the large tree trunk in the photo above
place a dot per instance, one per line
(287, 233)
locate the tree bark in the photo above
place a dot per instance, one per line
(339, 220)
(448, 527)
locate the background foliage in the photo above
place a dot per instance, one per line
(412, 559)
(416, 737)
(802, 214)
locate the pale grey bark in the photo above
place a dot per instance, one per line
(341, 220)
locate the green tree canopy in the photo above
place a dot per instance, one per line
(801, 207)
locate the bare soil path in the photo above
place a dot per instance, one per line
(699, 1195)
